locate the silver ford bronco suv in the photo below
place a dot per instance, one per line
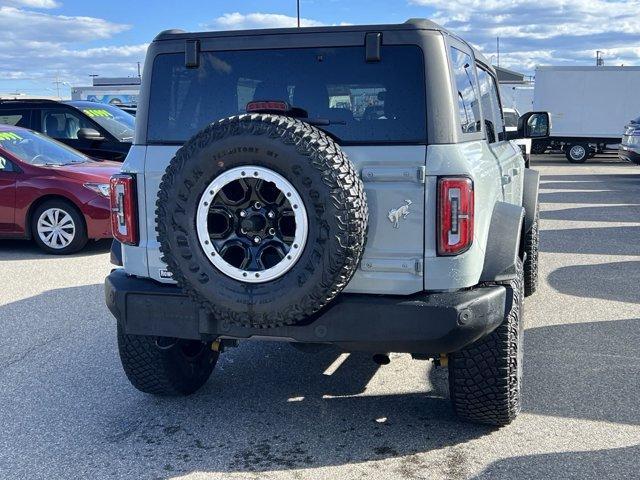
(350, 186)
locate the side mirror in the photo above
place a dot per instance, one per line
(534, 125)
(89, 134)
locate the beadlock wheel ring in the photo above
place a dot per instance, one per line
(263, 215)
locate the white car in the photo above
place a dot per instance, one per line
(511, 116)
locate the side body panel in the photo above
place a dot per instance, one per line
(475, 160)
(135, 257)
(511, 164)
(8, 181)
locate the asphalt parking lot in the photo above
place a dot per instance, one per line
(67, 411)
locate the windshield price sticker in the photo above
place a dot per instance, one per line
(9, 136)
(98, 112)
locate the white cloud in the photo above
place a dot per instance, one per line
(545, 31)
(31, 3)
(36, 48)
(17, 23)
(239, 21)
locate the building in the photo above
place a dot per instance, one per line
(115, 91)
(516, 89)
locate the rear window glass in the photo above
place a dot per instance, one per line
(374, 102)
(17, 118)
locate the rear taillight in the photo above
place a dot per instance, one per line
(455, 215)
(124, 221)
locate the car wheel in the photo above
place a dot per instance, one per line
(577, 152)
(165, 366)
(58, 228)
(485, 378)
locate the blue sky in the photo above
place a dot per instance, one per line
(69, 39)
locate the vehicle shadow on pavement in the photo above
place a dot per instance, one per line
(595, 189)
(602, 213)
(597, 240)
(607, 463)
(619, 281)
(598, 197)
(268, 406)
(28, 250)
(584, 371)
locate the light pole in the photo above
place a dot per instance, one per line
(298, 10)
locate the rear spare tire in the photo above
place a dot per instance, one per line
(261, 219)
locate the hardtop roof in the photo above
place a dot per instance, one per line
(411, 24)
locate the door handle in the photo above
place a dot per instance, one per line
(506, 179)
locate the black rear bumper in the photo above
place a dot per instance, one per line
(426, 323)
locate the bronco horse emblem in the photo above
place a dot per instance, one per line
(395, 214)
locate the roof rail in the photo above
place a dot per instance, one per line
(28, 100)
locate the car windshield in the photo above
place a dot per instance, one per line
(114, 120)
(510, 119)
(37, 149)
(355, 100)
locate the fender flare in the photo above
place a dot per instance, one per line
(530, 189)
(503, 243)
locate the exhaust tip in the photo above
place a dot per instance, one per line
(381, 359)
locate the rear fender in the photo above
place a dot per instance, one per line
(503, 243)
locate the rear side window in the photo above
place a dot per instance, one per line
(16, 118)
(466, 91)
(376, 102)
(491, 106)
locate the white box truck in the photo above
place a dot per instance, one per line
(589, 107)
(517, 96)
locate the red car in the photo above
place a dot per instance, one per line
(51, 193)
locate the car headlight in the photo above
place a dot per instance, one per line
(99, 188)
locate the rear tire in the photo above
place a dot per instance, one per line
(165, 366)
(485, 377)
(577, 152)
(531, 248)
